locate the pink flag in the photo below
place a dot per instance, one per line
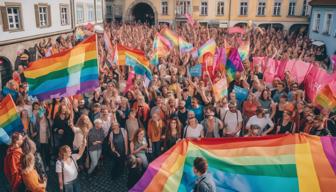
(282, 64)
(271, 71)
(129, 83)
(220, 60)
(300, 70)
(259, 63)
(236, 30)
(190, 19)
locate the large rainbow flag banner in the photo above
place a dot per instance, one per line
(67, 73)
(293, 162)
(10, 121)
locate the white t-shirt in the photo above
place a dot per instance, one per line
(194, 132)
(70, 170)
(230, 120)
(106, 125)
(78, 139)
(261, 122)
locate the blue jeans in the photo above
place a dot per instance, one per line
(94, 157)
(72, 186)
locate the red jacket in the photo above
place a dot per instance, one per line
(12, 167)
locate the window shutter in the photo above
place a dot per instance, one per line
(4, 18)
(49, 16)
(37, 17)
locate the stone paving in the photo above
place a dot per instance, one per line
(102, 182)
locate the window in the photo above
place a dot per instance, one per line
(11, 17)
(99, 10)
(183, 7)
(109, 10)
(304, 8)
(42, 15)
(243, 8)
(277, 8)
(261, 8)
(291, 8)
(64, 14)
(220, 8)
(164, 7)
(79, 13)
(90, 12)
(316, 24)
(327, 24)
(204, 7)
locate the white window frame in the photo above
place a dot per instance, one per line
(261, 9)
(99, 11)
(316, 25)
(326, 29)
(16, 25)
(164, 7)
(90, 12)
(243, 8)
(291, 7)
(277, 8)
(43, 15)
(64, 14)
(79, 13)
(204, 7)
(183, 7)
(220, 7)
(305, 8)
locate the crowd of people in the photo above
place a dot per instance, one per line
(131, 127)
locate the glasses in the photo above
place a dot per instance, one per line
(191, 117)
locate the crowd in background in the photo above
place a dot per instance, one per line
(131, 128)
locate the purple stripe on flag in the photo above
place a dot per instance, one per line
(151, 171)
(329, 147)
(70, 91)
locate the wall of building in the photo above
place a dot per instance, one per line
(329, 40)
(235, 17)
(29, 25)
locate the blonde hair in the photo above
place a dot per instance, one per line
(27, 162)
(62, 151)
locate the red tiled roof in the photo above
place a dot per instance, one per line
(322, 2)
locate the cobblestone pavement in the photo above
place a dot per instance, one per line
(102, 182)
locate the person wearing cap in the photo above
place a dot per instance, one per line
(233, 121)
(204, 181)
(95, 141)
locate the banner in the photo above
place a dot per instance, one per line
(196, 70)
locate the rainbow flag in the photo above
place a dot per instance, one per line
(244, 50)
(325, 98)
(293, 162)
(220, 89)
(208, 49)
(161, 45)
(139, 63)
(68, 73)
(155, 59)
(120, 54)
(233, 64)
(10, 121)
(184, 45)
(171, 36)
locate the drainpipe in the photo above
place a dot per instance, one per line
(229, 13)
(73, 14)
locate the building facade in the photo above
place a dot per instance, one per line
(323, 23)
(225, 13)
(23, 24)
